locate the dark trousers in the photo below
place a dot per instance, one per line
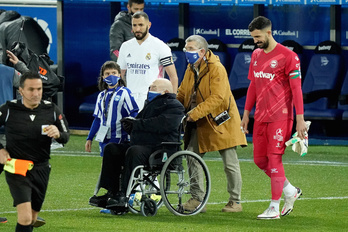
(136, 155)
(119, 160)
(113, 163)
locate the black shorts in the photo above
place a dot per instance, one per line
(31, 188)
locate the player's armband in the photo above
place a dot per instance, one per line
(167, 61)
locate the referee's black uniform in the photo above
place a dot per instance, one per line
(26, 139)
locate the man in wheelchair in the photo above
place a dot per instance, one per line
(158, 122)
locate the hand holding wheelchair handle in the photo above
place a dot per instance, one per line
(127, 124)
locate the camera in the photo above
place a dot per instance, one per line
(17, 48)
(222, 118)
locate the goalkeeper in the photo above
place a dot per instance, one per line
(275, 87)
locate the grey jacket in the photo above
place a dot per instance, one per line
(120, 31)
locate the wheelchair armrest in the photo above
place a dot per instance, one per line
(238, 93)
(317, 94)
(343, 99)
(170, 144)
(156, 159)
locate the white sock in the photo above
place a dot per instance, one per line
(289, 190)
(275, 204)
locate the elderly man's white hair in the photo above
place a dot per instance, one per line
(200, 41)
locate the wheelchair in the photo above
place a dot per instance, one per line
(166, 180)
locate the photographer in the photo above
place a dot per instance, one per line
(213, 121)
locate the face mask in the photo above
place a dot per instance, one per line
(191, 57)
(151, 95)
(111, 80)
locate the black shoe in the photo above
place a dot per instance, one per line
(3, 220)
(118, 201)
(39, 222)
(98, 201)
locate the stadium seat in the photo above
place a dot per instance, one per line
(6, 83)
(238, 77)
(177, 45)
(298, 49)
(322, 83)
(219, 49)
(293, 46)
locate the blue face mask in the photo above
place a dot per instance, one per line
(111, 80)
(191, 57)
(151, 95)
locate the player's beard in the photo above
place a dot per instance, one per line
(263, 45)
(141, 35)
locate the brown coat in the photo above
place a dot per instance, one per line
(215, 89)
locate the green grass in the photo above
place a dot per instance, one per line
(322, 175)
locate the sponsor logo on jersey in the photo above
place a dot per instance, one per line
(273, 64)
(32, 117)
(135, 68)
(261, 74)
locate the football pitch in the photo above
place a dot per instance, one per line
(322, 175)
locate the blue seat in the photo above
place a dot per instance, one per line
(238, 77)
(6, 83)
(219, 49)
(298, 49)
(88, 104)
(322, 83)
(343, 99)
(177, 45)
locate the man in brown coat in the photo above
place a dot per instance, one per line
(213, 120)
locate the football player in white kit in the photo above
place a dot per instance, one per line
(145, 58)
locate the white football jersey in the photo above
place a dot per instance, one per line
(144, 63)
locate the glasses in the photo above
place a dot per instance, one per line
(191, 49)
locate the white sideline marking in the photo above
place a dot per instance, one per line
(304, 162)
(209, 203)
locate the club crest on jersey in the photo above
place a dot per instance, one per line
(148, 56)
(273, 64)
(279, 135)
(117, 98)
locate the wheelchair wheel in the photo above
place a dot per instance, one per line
(151, 192)
(148, 207)
(179, 182)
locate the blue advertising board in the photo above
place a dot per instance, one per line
(231, 27)
(344, 25)
(46, 16)
(310, 26)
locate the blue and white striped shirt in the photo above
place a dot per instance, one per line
(111, 106)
